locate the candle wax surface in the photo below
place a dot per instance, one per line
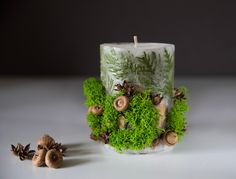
(143, 46)
(150, 65)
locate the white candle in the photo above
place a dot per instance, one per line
(150, 65)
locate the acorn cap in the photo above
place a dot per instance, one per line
(121, 103)
(54, 159)
(96, 110)
(39, 158)
(46, 141)
(170, 138)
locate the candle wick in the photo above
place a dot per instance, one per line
(135, 41)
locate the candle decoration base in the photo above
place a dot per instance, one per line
(134, 119)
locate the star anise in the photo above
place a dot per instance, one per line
(22, 152)
(178, 94)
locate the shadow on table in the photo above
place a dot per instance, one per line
(81, 150)
(75, 162)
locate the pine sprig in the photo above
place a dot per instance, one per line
(168, 73)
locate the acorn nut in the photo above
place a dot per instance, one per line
(121, 122)
(96, 110)
(170, 138)
(121, 103)
(54, 159)
(46, 141)
(39, 158)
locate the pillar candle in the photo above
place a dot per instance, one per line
(149, 65)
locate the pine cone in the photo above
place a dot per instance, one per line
(156, 99)
(104, 138)
(127, 87)
(178, 94)
(22, 152)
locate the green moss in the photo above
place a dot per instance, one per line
(94, 92)
(110, 115)
(176, 120)
(94, 123)
(142, 117)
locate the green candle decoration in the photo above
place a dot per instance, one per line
(134, 107)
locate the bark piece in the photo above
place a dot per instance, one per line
(162, 106)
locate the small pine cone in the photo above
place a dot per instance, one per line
(156, 99)
(22, 152)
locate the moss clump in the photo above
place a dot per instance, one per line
(94, 92)
(94, 123)
(110, 115)
(142, 118)
(176, 120)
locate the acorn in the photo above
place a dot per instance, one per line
(54, 159)
(96, 110)
(170, 138)
(121, 122)
(121, 103)
(46, 141)
(39, 158)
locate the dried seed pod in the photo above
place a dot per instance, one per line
(96, 110)
(46, 141)
(39, 158)
(54, 159)
(121, 122)
(121, 103)
(170, 138)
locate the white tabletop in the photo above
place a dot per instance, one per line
(32, 107)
